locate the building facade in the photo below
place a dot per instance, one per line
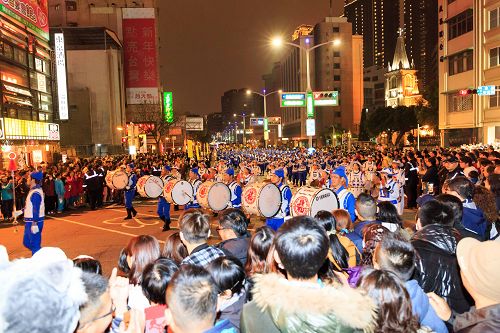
(469, 43)
(134, 26)
(401, 83)
(27, 91)
(373, 87)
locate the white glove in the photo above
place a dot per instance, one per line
(34, 229)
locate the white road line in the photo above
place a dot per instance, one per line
(121, 211)
(96, 227)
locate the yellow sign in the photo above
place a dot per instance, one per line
(18, 129)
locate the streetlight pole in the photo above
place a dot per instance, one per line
(307, 50)
(266, 125)
(418, 137)
(243, 116)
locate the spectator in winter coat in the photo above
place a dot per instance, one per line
(397, 255)
(436, 243)
(60, 191)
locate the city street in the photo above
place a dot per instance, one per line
(103, 233)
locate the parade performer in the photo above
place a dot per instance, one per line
(34, 214)
(399, 177)
(346, 198)
(234, 187)
(278, 178)
(389, 188)
(194, 180)
(130, 191)
(163, 205)
(356, 179)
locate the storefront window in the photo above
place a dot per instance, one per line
(40, 82)
(24, 114)
(20, 56)
(45, 117)
(8, 51)
(45, 103)
(13, 74)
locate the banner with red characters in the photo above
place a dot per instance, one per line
(31, 13)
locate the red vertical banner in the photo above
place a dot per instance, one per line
(140, 55)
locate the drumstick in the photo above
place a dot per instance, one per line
(185, 193)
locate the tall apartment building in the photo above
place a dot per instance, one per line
(469, 57)
(377, 21)
(336, 66)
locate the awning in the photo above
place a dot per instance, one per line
(16, 100)
(16, 90)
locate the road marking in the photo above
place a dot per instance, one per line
(96, 227)
(126, 224)
(146, 214)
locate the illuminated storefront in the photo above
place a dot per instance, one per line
(26, 78)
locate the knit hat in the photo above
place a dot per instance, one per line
(230, 171)
(167, 168)
(131, 165)
(480, 264)
(340, 171)
(195, 171)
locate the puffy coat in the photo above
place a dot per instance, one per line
(437, 267)
(286, 307)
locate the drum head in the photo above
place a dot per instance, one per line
(182, 193)
(269, 200)
(325, 199)
(219, 197)
(120, 180)
(153, 187)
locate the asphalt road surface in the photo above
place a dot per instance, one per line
(103, 233)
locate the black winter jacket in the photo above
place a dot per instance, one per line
(437, 268)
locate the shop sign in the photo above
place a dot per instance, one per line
(139, 52)
(41, 82)
(33, 14)
(17, 90)
(19, 129)
(37, 156)
(62, 89)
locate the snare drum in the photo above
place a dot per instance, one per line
(178, 192)
(213, 195)
(117, 179)
(262, 199)
(310, 200)
(150, 186)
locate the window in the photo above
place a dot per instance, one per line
(494, 18)
(457, 103)
(336, 65)
(336, 29)
(459, 63)
(337, 114)
(495, 57)
(336, 78)
(460, 24)
(495, 100)
(374, 78)
(393, 82)
(336, 54)
(450, 1)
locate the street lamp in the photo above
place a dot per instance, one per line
(266, 131)
(278, 41)
(244, 116)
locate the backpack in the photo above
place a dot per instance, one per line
(352, 250)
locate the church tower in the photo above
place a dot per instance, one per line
(401, 84)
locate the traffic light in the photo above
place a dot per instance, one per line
(326, 98)
(124, 139)
(465, 92)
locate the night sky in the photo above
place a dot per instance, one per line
(210, 46)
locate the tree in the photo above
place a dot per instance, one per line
(428, 113)
(400, 119)
(154, 123)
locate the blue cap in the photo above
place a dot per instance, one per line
(195, 171)
(280, 173)
(167, 168)
(130, 165)
(38, 175)
(230, 172)
(340, 171)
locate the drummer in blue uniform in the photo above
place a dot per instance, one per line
(194, 180)
(34, 214)
(130, 191)
(234, 187)
(278, 178)
(339, 183)
(163, 205)
(389, 187)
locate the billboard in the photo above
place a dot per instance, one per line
(62, 89)
(140, 55)
(194, 123)
(168, 107)
(31, 13)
